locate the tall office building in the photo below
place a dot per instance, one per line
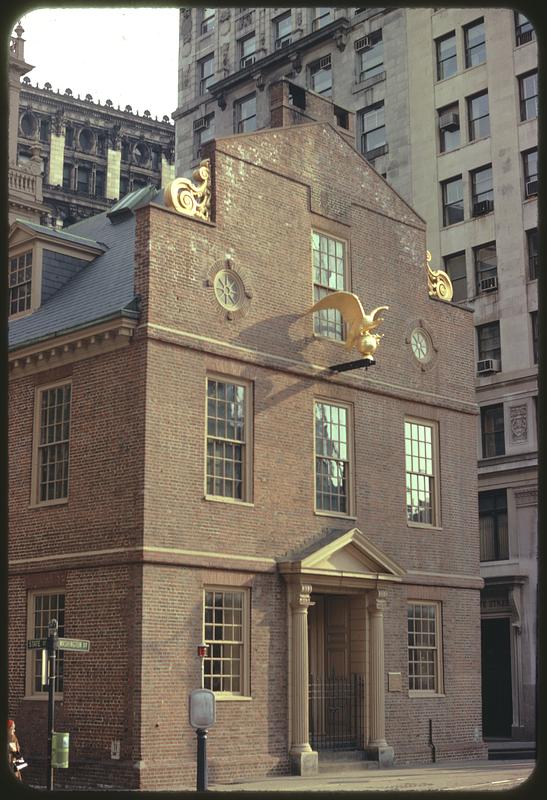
(446, 110)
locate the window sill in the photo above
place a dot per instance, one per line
(50, 503)
(232, 698)
(43, 698)
(424, 526)
(334, 514)
(230, 500)
(417, 693)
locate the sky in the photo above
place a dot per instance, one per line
(127, 55)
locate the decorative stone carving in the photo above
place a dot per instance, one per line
(245, 21)
(438, 283)
(192, 200)
(526, 497)
(224, 14)
(186, 26)
(519, 423)
(231, 288)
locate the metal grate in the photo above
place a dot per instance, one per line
(336, 712)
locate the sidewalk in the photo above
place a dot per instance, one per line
(448, 776)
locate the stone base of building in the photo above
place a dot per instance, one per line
(384, 755)
(304, 764)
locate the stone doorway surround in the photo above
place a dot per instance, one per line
(346, 562)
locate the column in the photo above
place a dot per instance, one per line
(304, 760)
(377, 747)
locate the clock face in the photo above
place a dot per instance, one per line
(421, 344)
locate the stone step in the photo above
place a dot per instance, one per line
(333, 761)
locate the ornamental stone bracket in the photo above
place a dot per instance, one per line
(191, 199)
(439, 284)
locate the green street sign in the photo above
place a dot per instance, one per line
(36, 644)
(76, 645)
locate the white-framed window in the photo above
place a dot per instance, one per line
(321, 17)
(43, 606)
(372, 128)
(228, 457)
(332, 457)
(371, 57)
(204, 131)
(329, 275)
(226, 630)
(422, 470)
(321, 76)
(247, 50)
(207, 22)
(50, 461)
(20, 282)
(206, 72)
(245, 114)
(282, 30)
(424, 647)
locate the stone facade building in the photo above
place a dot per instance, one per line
(88, 154)
(186, 467)
(446, 106)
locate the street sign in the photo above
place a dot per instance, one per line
(36, 644)
(76, 645)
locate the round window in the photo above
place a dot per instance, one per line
(29, 125)
(228, 289)
(420, 342)
(86, 139)
(141, 153)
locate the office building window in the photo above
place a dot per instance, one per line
(486, 267)
(424, 647)
(226, 634)
(524, 30)
(282, 30)
(373, 131)
(207, 23)
(322, 17)
(475, 43)
(488, 339)
(492, 431)
(482, 191)
(452, 193)
(447, 63)
(494, 540)
(530, 165)
(421, 464)
(532, 246)
(321, 76)
(51, 443)
(371, 56)
(245, 114)
(84, 179)
(454, 266)
(43, 606)
(20, 282)
(528, 93)
(206, 72)
(228, 446)
(534, 319)
(247, 50)
(204, 131)
(329, 275)
(99, 183)
(449, 127)
(478, 116)
(332, 458)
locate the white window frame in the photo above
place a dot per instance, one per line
(438, 658)
(434, 476)
(31, 654)
(332, 314)
(245, 660)
(349, 460)
(35, 470)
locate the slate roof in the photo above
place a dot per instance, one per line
(101, 289)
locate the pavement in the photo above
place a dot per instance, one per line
(448, 776)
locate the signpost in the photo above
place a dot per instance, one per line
(202, 714)
(59, 741)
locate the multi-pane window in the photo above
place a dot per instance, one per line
(84, 179)
(475, 43)
(449, 128)
(492, 431)
(488, 341)
(245, 114)
(420, 466)
(224, 628)
(494, 540)
(52, 443)
(332, 460)
(486, 267)
(204, 131)
(227, 440)
(534, 319)
(530, 165)
(321, 76)
(452, 200)
(482, 191)
(479, 116)
(247, 50)
(373, 130)
(454, 266)
(528, 93)
(371, 56)
(524, 30)
(329, 275)
(424, 651)
(42, 608)
(532, 246)
(207, 20)
(206, 72)
(322, 17)
(446, 56)
(20, 282)
(283, 30)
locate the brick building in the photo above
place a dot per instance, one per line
(186, 467)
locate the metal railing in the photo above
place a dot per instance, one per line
(336, 712)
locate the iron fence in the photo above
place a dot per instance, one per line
(336, 712)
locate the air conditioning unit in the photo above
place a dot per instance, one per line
(482, 207)
(280, 43)
(449, 121)
(246, 61)
(487, 366)
(362, 43)
(524, 36)
(488, 284)
(200, 124)
(324, 62)
(531, 188)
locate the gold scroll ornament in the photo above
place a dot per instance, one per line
(438, 283)
(193, 200)
(359, 324)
